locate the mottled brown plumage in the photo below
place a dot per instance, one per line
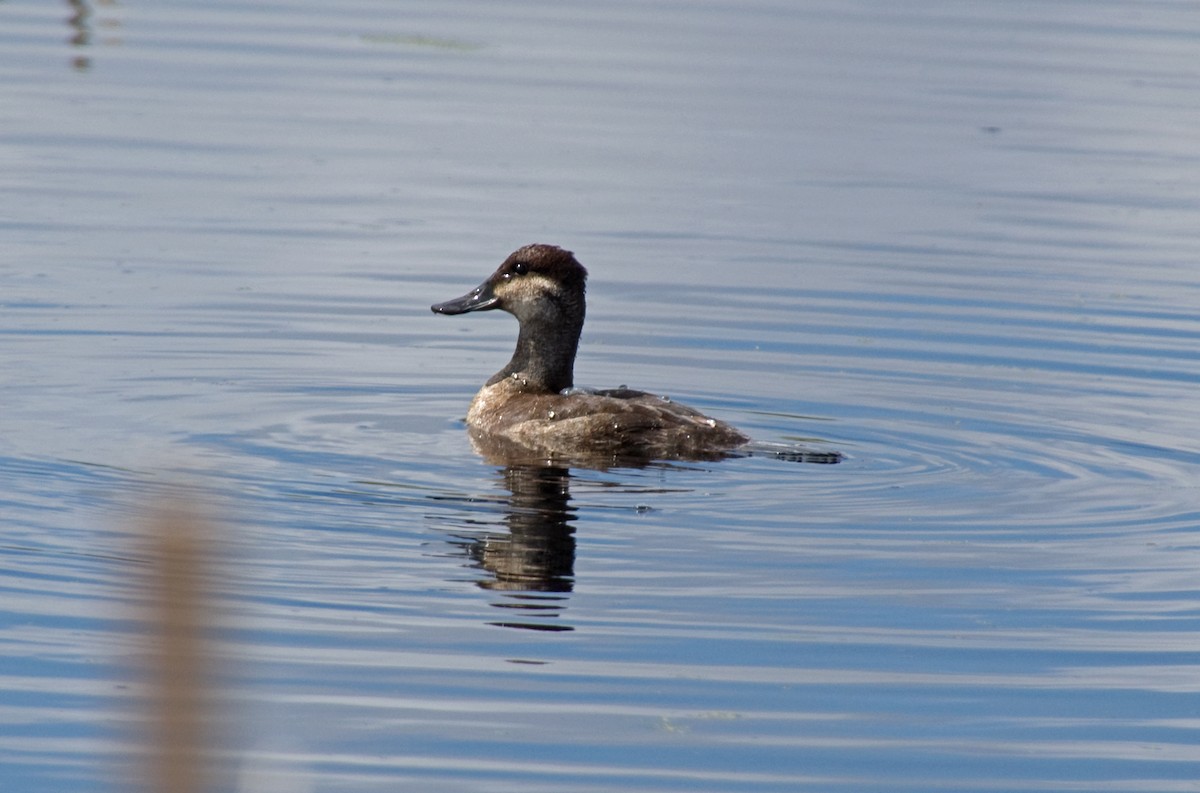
(531, 404)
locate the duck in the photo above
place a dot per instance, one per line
(533, 404)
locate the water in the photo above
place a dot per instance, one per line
(955, 243)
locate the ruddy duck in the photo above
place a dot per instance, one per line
(532, 404)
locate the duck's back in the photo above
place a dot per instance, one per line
(620, 422)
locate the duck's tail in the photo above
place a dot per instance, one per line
(792, 453)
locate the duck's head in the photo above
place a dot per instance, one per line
(536, 283)
(543, 287)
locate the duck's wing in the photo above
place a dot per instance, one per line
(622, 421)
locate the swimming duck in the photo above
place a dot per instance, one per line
(532, 403)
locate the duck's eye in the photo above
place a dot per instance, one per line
(520, 268)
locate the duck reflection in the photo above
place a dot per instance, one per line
(538, 553)
(533, 563)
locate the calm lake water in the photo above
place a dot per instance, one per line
(955, 242)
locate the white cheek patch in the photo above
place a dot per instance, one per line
(529, 287)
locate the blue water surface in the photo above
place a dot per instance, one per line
(955, 243)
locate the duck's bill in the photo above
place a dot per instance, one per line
(481, 298)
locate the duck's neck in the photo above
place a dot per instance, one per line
(545, 354)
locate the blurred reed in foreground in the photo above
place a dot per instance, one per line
(178, 660)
